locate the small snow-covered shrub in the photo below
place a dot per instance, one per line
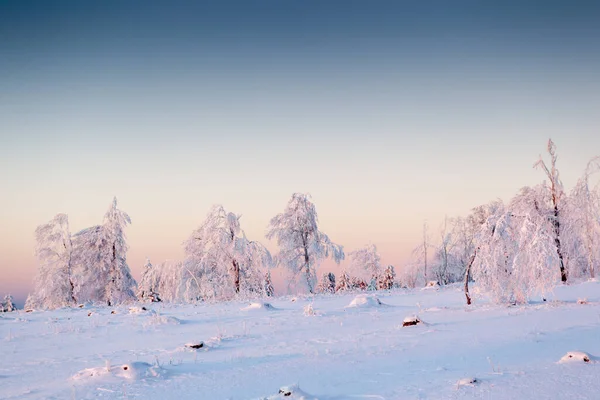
(577, 357)
(309, 311)
(582, 301)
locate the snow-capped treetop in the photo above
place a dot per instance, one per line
(556, 185)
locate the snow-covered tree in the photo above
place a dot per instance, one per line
(8, 304)
(516, 256)
(470, 233)
(54, 281)
(386, 279)
(170, 280)
(327, 284)
(366, 262)
(344, 283)
(301, 245)
(556, 195)
(582, 223)
(221, 262)
(100, 256)
(147, 288)
(420, 257)
(268, 285)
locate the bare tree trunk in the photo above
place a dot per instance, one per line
(307, 265)
(467, 274)
(556, 224)
(236, 276)
(70, 275)
(555, 186)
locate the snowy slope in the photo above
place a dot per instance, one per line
(341, 352)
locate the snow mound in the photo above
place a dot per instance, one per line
(577, 357)
(412, 320)
(157, 319)
(290, 393)
(137, 370)
(131, 371)
(467, 382)
(365, 301)
(431, 285)
(259, 306)
(138, 310)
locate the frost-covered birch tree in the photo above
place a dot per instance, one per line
(100, 256)
(583, 224)
(366, 262)
(516, 256)
(556, 196)
(302, 246)
(53, 287)
(221, 262)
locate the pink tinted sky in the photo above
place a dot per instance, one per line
(388, 113)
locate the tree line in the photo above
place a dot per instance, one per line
(513, 251)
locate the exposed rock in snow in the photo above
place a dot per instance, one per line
(365, 301)
(195, 345)
(582, 301)
(412, 320)
(577, 357)
(259, 306)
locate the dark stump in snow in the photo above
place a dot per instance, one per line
(411, 321)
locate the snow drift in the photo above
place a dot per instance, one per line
(365, 301)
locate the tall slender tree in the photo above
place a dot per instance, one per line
(302, 246)
(54, 287)
(556, 197)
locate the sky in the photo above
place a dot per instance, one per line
(388, 113)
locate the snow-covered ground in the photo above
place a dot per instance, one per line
(342, 348)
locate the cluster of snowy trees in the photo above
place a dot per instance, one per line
(220, 261)
(90, 266)
(521, 248)
(513, 250)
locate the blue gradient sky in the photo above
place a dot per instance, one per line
(388, 113)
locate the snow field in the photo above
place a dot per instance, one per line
(482, 351)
